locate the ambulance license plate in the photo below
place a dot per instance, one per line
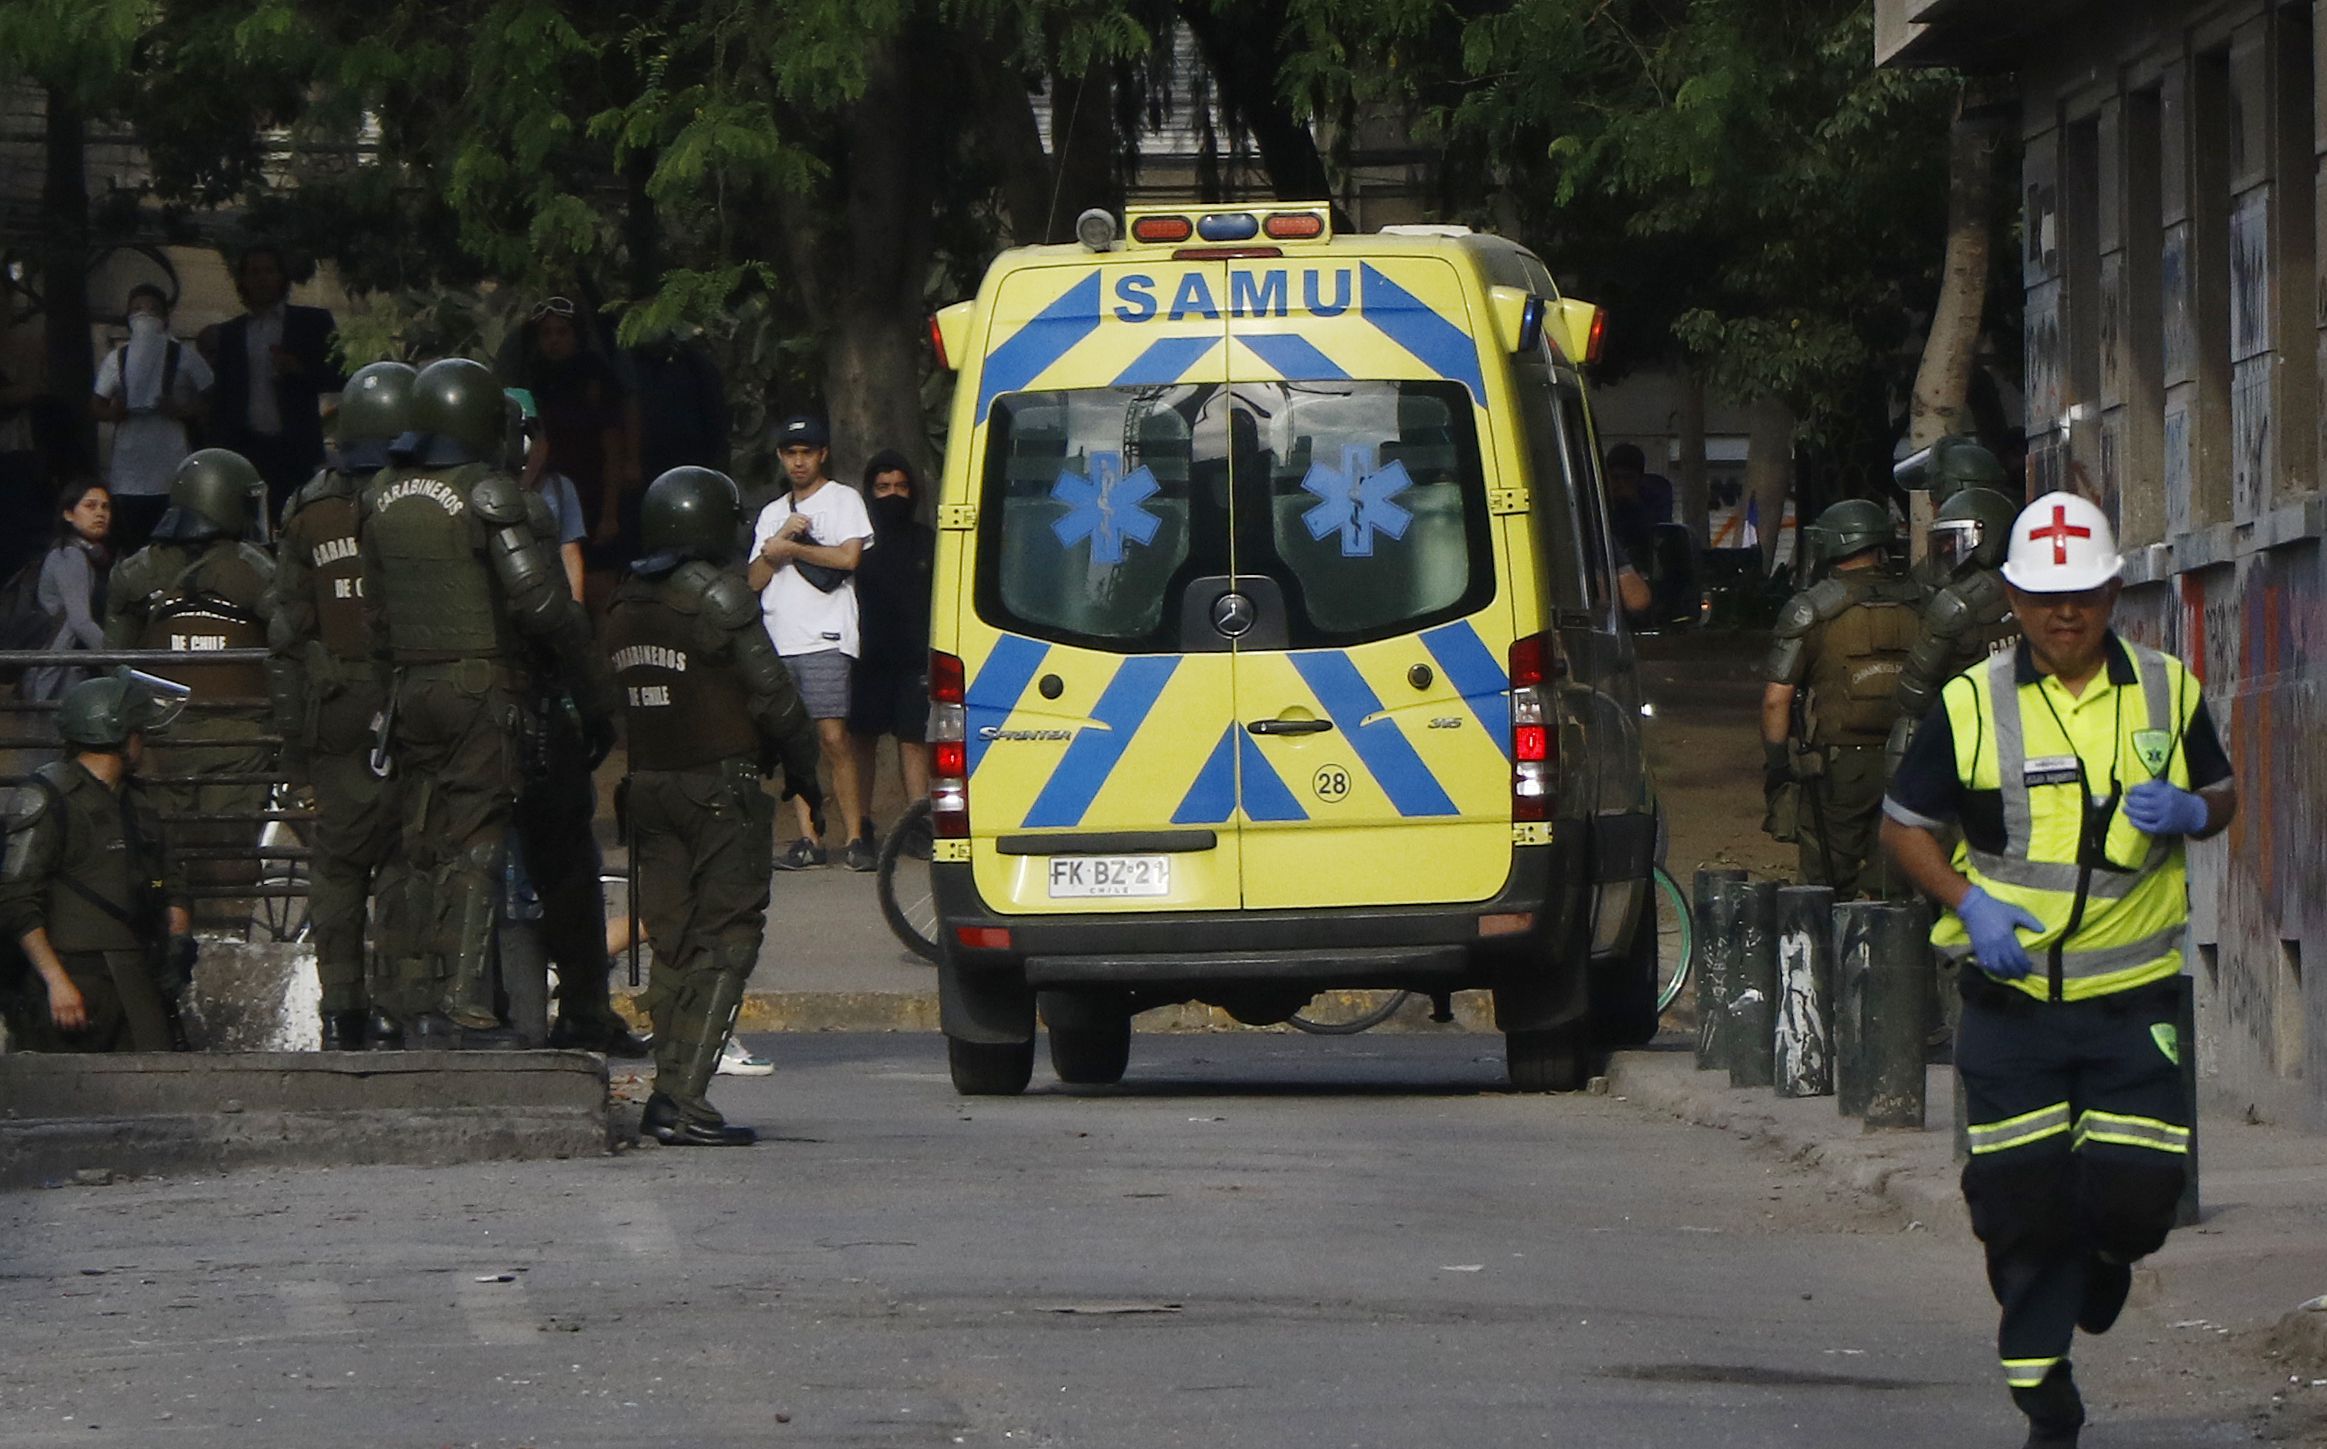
(1110, 875)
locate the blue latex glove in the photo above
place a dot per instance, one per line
(2157, 808)
(1993, 926)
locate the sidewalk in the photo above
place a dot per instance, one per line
(2258, 1251)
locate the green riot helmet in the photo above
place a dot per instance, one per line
(689, 513)
(102, 713)
(459, 414)
(1973, 530)
(1852, 526)
(1958, 463)
(211, 496)
(375, 409)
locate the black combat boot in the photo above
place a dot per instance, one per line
(2056, 1412)
(608, 1037)
(663, 1121)
(385, 1033)
(343, 1031)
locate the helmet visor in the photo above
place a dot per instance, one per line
(1955, 542)
(154, 703)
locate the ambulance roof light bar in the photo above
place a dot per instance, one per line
(1294, 222)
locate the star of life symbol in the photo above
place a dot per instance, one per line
(1106, 506)
(1355, 499)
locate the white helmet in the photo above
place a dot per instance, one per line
(2061, 544)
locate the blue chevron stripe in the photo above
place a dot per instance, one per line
(1435, 342)
(1164, 361)
(1412, 789)
(1212, 798)
(1471, 668)
(1083, 770)
(1291, 356)
(994, 692)
(1046, 337)
(1265, 797)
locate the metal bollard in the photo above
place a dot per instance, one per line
(1884, 985)
(1753, 985)
(1716, 929)
(1803, 1039)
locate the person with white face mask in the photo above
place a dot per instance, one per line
(149, 388)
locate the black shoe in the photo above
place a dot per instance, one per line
(858, 856)
(608, 1038)
(433, 1032)
(662, 1121)
(343, 1031)
(384, 1033)
(864, 828)
(804, 854)
(2107, 1283)
(2056, 1412)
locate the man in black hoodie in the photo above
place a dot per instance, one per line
(889, 690)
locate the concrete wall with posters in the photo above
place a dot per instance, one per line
(2175, 327)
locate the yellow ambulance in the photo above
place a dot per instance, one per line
(1276, 646)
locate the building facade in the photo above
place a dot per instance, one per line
(2170, 209)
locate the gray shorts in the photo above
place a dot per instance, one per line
(822, 679)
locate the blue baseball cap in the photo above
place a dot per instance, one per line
(802, 429)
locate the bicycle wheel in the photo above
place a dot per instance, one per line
(908, 894)
(1676, 938)
(1328, 1022)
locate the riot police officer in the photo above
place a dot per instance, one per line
(329, 699)
(89, 886)
(1957, 463)
(456, 583)
(199, 587)
(1831, 697)
(1970, 617)
(710, 709)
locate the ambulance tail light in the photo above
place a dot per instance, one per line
(1598, 339)
(937, 344)
(949, 749)
(1535, 663)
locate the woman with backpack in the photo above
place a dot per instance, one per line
(70, 593)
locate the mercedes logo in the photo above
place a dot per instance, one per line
(1232, 614)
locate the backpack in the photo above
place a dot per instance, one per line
(24, 624)
(169, 371)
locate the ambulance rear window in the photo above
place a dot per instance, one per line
(1376, 509)
(1364, 500)
(1096, 500)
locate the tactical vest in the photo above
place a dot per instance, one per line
(2114, 908)
(436, 582)
(127, 875)
(324, 530)
(198, 613)
(1854, 676)
(684, 702)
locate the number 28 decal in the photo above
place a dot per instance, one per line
(1331, 782)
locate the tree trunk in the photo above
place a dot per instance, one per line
(1692, 494)
(1082, 151)
(1769, 471)
(1012, 137)
(65, 283)
(1244, 45)
(1943, 380)
(874, 364)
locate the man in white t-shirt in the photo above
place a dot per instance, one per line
(148, 388)
(804, 552)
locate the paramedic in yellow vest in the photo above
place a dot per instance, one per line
(2076, 765)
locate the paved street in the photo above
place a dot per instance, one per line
(1261, 1240)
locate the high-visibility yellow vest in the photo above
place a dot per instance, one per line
(2113, 915)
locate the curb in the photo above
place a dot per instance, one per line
(898, 1011)
(1897, 1167)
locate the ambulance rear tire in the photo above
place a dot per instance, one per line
(1091, 1055)
(989, 1069)
(1559, 1060)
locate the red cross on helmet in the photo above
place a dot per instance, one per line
(2061, 544)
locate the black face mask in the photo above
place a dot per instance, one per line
(892, 513)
